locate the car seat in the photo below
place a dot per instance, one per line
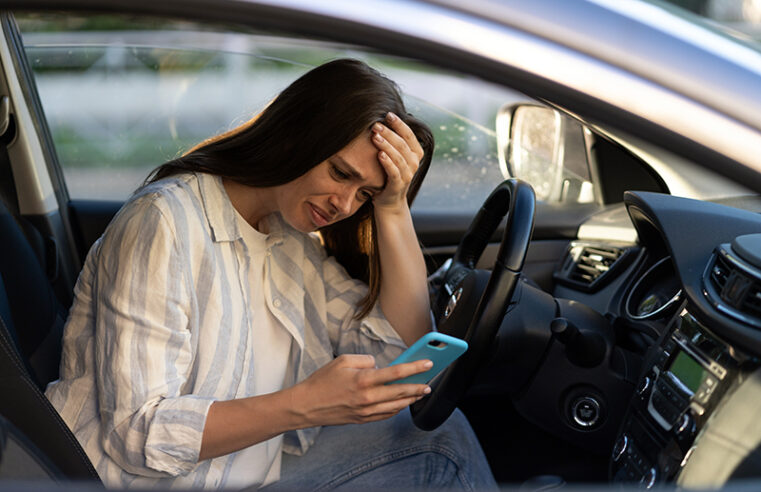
(31, 324)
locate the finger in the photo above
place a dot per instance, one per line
(370, 399)
(400, 371)
(357, 361)
(389, 408)
(404, 131)
(399, 172)
(376, 417)
(393, 138)
(378, 378)
(386, 139)
(397, 157)
(395, 392)
(394, 178)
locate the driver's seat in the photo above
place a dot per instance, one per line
(24, 292)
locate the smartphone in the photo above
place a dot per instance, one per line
(441, 349)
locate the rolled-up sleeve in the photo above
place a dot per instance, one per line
(372, 334)
(144, 346)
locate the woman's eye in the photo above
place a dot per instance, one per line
(365, 196)
(339, 174)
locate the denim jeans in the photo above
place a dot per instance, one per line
(390, 454)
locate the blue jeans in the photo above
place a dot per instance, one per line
(390, 454)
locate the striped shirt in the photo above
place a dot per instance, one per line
(161, 327)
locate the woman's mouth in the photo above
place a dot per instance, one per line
(319, 218)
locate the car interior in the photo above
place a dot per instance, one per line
(613, 325)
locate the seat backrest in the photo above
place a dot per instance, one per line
(36, 317)
(20, 459)
(31, 324)
(25, 406)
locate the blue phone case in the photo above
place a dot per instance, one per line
(441, 349)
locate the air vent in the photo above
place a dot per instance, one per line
(720, 272)
(587, 266)
(734, 286)
(593, 262)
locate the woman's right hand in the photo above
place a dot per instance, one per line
(350, 390)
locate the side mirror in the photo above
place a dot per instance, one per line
(547, 149)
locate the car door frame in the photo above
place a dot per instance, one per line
(41, 192)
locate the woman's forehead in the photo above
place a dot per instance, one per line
(360, 157)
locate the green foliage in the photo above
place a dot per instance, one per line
(68, 22)
(138, 150)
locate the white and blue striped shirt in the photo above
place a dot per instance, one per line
(161, 327)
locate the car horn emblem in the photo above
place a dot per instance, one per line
(452, 302)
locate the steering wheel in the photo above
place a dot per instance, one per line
(467, 310)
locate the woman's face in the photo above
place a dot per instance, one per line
(334, 189)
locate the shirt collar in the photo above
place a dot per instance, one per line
(218, 208)
(220, 213)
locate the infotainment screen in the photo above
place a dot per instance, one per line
(687, 370)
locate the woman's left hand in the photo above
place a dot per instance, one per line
(399, 153)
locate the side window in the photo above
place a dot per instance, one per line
(123, 95)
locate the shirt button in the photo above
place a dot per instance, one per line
(276, 303)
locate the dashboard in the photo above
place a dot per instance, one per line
(683, 292)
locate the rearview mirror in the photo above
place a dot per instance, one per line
(547, 149)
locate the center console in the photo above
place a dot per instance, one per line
(690, 370)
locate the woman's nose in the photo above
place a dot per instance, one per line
(342, 201)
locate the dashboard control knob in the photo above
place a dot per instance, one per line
(619, 448)
(585, 411)
(686, 425)
(648, 480)
(644, 386)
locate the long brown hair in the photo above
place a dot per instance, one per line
(312, 119)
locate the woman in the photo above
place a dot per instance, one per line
(211, 330)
